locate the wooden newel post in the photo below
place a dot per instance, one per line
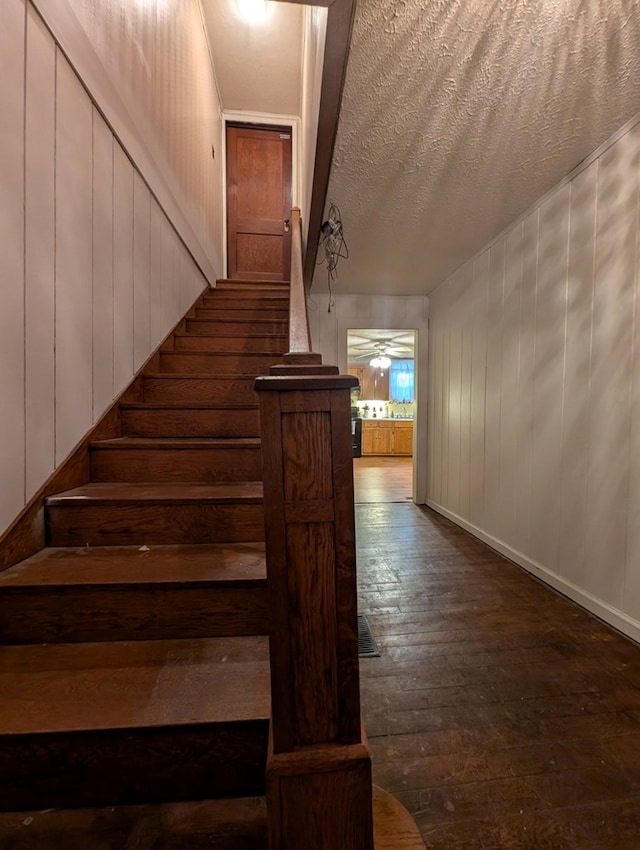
(319, 768)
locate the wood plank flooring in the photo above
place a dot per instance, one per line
(503, 716)
(382, 479)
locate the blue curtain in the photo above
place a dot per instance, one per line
(401, 380)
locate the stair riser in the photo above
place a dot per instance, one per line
(212, 327)
(211, 390)
(117, 767)
(191, 423)
(224, 301)
(132, 465)
(231, 284)
(148, 524)
(214, 364)
(250, 313)
(259, 345)
(131, 612)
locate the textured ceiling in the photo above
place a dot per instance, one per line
(258, 66)
(363, 344)
(459, 114)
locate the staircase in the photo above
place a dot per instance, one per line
(134, 669)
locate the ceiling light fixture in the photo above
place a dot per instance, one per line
(253, 10)
(380, 361)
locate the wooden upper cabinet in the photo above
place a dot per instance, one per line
(374, 384)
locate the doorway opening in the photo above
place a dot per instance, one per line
(383, 411)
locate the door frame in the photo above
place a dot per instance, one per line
(263, 120)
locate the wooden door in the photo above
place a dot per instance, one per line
(258, 202)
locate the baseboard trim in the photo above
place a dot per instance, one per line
(610, 615)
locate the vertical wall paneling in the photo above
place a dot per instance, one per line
(62, 272)
(548, 376)
(454, 369)
(631, 601)
(575, 420)
(155, 275)
(526, 365)
(141, 282)
(611, 345)
(39, 253)
(552, 315)
(446, 407)
(166, 272)
(122, 267)
(436, 364)
(478, 388)
(12, 445)
(508, 447)
(430, 431)
(103, 330)
(466, 319)
(74, 232)
(494, 386)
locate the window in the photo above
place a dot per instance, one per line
(401, 381)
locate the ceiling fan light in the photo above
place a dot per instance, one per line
(380, 361)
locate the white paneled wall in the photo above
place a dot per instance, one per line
(399, 312)
(147, 63)
(93, 274)
(534, 369)
(12, 316)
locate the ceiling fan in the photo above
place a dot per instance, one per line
(381, 349)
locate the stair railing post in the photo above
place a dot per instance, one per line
(319, 768)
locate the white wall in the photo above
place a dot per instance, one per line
(92, 273)
(147, 64)
(534, 397)
(398, 312)
(315, 30)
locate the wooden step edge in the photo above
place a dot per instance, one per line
(233, 283)
(180, 443)
(244, 319)
(174, 493)
(155, 682)
(186, 405)
(216, 565)
(270, 336)
(249, 296)
(140, 584)
(254, 355)
(202, 376)
(239, 823)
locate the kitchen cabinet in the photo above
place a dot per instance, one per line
(387, 437)
(402, 443)
(374, 384)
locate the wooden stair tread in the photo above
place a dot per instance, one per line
(175, 492)
(234, 283)
(229, 824)
(153, 443)
(202, 376)
(133, 684)
(245, 320)
(282, 336)
(222, 563)
(179, 405)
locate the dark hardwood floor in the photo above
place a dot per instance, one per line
(502, 716)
